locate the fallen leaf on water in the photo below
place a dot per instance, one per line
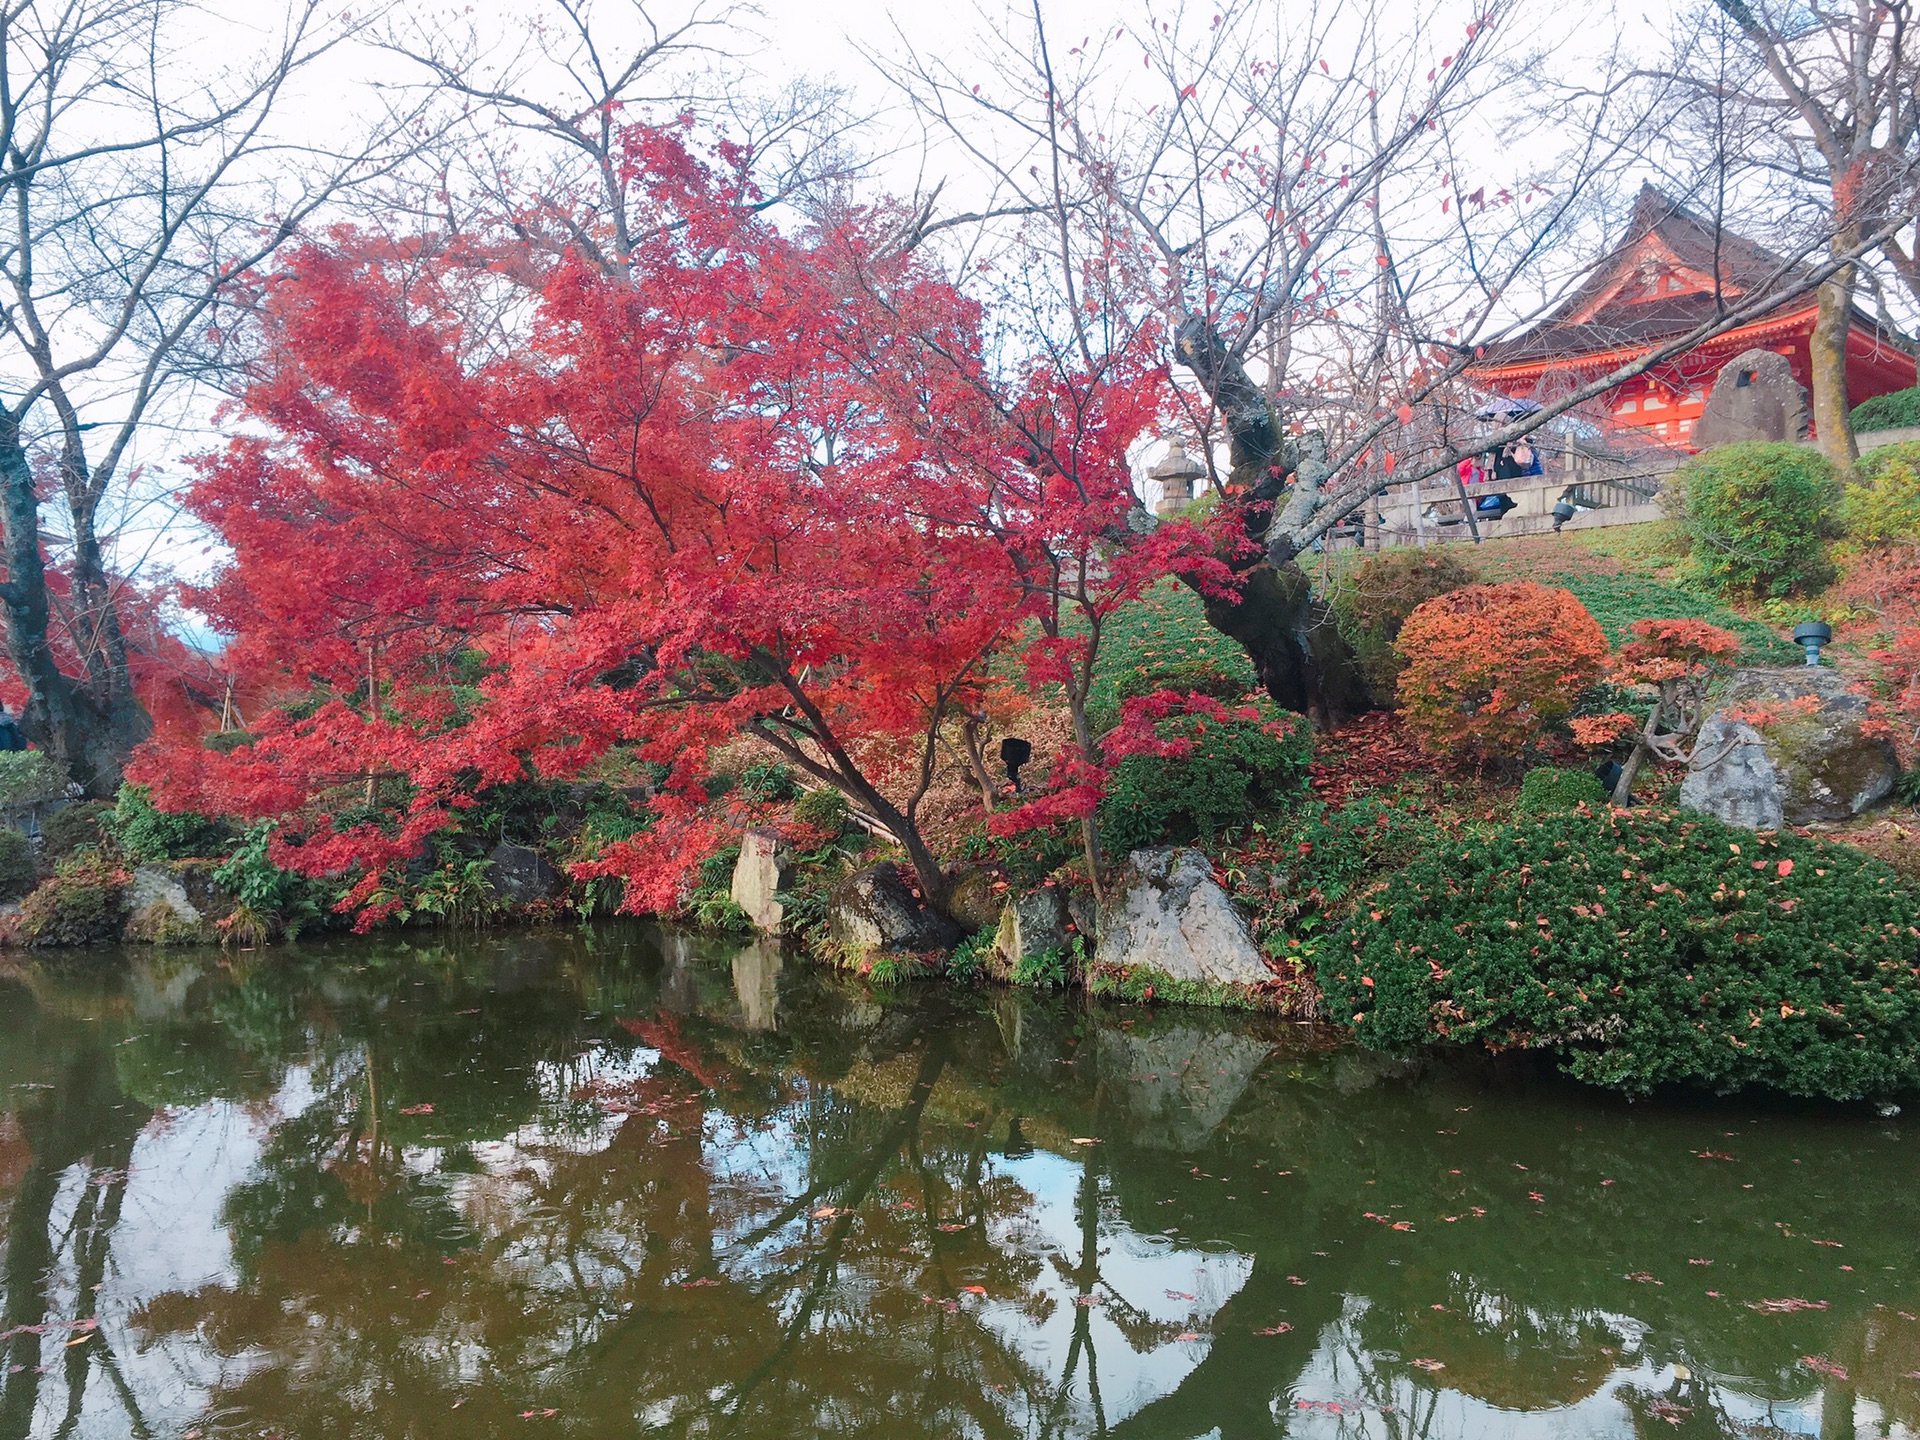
(1279, 1329)
(1295, 1280)
(1426, 1364)
(1713, 1155)
(1086, 1300)
(1699, 1262)
(1080, 1140)
(951, 1225)
(974, 1289)
(416, 1109)
(826, 1212)
(1824, 1366)
(1785, 1305)
(1834, 1243)
(1644, 1277)
(1178, 1295)
(1535, 1195)
(1188, 1335)
(1401, 1225)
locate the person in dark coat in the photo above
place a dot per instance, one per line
(10, 736)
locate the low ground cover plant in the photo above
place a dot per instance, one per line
(1643, 948)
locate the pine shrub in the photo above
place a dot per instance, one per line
(72, 827)
(1547, 788)
(1376, 597)
(1644, 948)
(1236, 767)
(1757, 517)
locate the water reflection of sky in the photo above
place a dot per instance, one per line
(680, 1197)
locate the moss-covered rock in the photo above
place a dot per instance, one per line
(1792, 747)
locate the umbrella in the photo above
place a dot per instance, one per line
(1506, 408)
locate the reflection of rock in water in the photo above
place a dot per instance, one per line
(1179, 1079)
(158, 985)
(679, 977)
(756, 983)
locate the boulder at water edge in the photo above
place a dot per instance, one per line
(1787, 747)
(1031, 925)
(521, 876)
(160, 910)
(874, 909)
(764, 869)
(1166, 914)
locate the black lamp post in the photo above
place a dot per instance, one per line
(1562, 512)
(1811, 636)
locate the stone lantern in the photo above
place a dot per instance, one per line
(1176, 474)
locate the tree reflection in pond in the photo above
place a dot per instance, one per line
(624, 1182)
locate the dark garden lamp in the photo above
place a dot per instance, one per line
(1811, 636)
(1563, 511)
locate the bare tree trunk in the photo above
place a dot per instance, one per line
(90, 736)
(1827, 349)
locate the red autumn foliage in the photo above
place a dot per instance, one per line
(1489, 667)
(1885, 584)
(757, 483)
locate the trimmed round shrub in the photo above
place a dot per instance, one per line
(1236, 767)
(1890, 411)
(1548, 788)
(1644, 948)
(85, 903)
(1880, 505)
(1490, 667)
(1757, 517)
(72, 827)
(16, 864)
(824, 809)
(1376, 597)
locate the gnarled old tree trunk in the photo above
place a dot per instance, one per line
(91, 724)
(1287, 631)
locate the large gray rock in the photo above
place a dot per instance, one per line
(1030, 926)
(1165, 912)
(157, 885)
(1786, 747)
(521, 876)
(1754, 397)
(873, 909)
(764, 869)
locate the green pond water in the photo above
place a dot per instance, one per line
(623, 1183)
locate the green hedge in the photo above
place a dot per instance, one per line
(1888, 412)
(1235, 769)
(1644, 948)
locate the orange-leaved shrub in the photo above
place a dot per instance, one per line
(1489, 667)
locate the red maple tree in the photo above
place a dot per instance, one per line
(495, 514)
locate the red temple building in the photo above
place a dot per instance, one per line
(1658, 283)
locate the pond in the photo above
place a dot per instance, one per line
(622, 1182)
